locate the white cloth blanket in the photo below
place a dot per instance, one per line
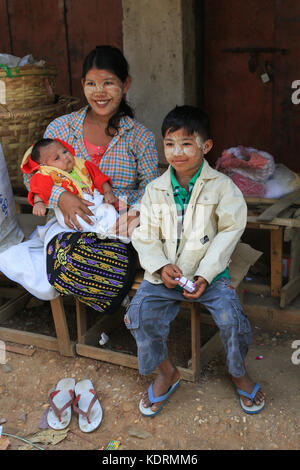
(26, 263)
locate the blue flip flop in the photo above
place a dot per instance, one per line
(163, 398)
(254, 409)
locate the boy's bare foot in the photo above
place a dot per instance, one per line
(167, 377)
(246, 384)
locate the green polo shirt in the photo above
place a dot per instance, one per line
(182, 198)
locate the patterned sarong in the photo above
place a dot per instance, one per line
(99, 272)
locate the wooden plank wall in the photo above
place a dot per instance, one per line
(60, 31)
(243, 110)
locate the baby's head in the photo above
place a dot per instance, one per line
(185, 131)
(51, 152)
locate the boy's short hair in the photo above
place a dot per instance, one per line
(35, 153)
(190, 118)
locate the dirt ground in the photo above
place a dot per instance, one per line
(202, 415)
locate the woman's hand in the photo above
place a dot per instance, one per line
(200, 285)
(168, 274)
(110, 198)
(72, 205)
(126, 223)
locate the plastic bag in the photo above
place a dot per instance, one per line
(10, 60)
(248, 167)
(10, 232)
(282, 182)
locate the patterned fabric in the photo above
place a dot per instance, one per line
(131, 158)
(98, 272)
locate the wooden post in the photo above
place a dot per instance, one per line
(276, 261)
(66, 348)
(81, 320)
(195, 339)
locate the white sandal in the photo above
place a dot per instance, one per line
(87, 405)
(61, 399)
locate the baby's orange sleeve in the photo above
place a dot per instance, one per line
(97, 176)
(40, 185)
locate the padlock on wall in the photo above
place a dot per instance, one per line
(266, 76)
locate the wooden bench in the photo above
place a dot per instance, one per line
(200, 355)
(87, 338)
(281, 217)
(18, 299)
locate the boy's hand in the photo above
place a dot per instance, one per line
(200, 285)
(168, 274)
(39, 208)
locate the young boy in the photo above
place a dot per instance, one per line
(191, 220)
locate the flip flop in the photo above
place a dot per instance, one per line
(163, 398)
(61, 399)
(254, 409)
(87, 405)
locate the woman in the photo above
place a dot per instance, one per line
(100, 272)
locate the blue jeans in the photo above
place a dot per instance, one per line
(154, 307)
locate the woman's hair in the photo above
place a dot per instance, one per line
(35, 153)
(190, 118)
(110, 58)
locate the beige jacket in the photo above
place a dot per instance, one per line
(213, 224)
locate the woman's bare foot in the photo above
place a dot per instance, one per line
(166, 378)
(246, 384)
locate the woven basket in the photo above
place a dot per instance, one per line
(21, 128)
(27, 86)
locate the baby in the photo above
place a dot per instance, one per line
(53, 162)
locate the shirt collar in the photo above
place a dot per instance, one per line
(176, 185)
(164, 181)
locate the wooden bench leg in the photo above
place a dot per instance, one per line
(81, 320)
(195, 340)
(276, 261)
(66, 348)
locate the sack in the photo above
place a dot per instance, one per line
(10, 232)
(248, 167)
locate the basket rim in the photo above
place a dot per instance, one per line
(18, 113)
(28, 70)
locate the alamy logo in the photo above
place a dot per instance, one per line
(2, 92)
(2, 352)
(296, 355)
(296, 94)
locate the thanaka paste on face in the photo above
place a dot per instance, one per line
(180, 149)
(91, 89)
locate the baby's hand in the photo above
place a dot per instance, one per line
(110, 198)
(39, 208)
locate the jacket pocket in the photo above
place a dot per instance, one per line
(208, 198)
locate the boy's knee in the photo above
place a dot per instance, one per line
(229, 310)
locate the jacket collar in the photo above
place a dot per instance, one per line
(164, 181)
